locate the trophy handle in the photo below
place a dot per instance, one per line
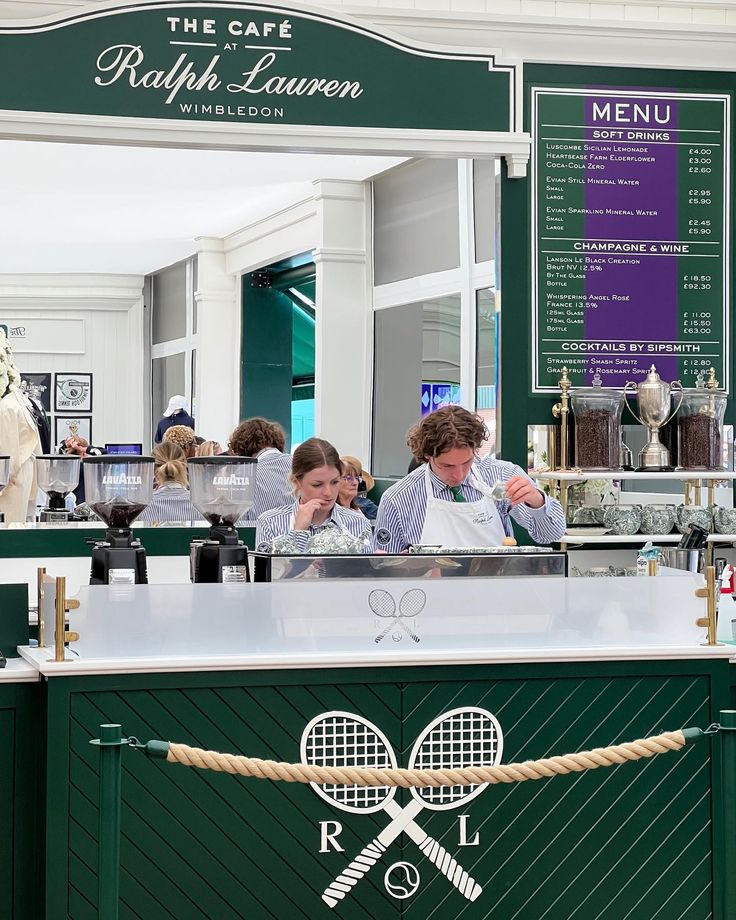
(676, 385)
(632, 392)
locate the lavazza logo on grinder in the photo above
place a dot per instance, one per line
(120, 479)
(231, 480)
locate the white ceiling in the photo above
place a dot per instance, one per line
(131, 210)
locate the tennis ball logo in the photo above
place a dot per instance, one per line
(401, 880)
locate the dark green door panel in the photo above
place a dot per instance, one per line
(602, 842)
(629, 843)
(223, 847)
(21, 837)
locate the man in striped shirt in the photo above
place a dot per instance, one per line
(265, 440)
(454, 499)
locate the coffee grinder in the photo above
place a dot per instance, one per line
(118, 489)
(57, 475)
(221, 489)
(4, 478)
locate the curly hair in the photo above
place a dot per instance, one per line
(170, 463)
(181, 435)
(443, 430)
(254, 435)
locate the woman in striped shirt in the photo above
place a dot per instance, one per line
(314, 518)
(171, 502)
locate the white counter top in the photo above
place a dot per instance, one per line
(19, 671)
(346, 623)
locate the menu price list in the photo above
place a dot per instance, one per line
(630, 222)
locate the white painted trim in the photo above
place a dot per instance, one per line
(347, 256)
(108, 8)
(167, 349)
(336, 190)
(106, 289)
(286, 233)
(254, 662)
(494, 23)
(370, 320)
(166, 132)
(411, 290)
(466, 230)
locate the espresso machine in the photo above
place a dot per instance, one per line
(118, 487)
(57, 475)
(4, 478)
(221, 489)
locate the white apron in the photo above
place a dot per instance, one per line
(462, 523)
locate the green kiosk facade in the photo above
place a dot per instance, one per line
(559, 668)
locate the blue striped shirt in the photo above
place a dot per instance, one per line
(273, 488)
(403, 507)
(278, 521)
(171, 504)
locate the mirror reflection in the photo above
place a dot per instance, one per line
(134, 277)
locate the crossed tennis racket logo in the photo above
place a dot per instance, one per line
(411, 605)
(468, 737)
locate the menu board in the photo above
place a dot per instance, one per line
(630, 211)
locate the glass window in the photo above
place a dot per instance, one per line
(169, 308)
(417, 369)
(195, 305)
(486, 374)
(485, 179)
(302, 416)
(168, 379)
(416, 220)
(194, 384)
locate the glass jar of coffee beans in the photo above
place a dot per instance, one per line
(597, 414)
(700, 426)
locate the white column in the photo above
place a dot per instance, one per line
(218, 343)
(344, 326)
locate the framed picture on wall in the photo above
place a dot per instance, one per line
(39, 386)
(67, 425)
(73, 392)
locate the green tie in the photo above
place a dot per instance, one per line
(457, 495)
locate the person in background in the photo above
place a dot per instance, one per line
(171, 501)
(76, 444)
(174, 414)
(264, 440)
(316, 474)
(353, 487)
(209, 449)
(455, 499)
(184, 437)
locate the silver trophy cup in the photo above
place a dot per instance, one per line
(654, 397)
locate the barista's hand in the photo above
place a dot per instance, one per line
(520, 490)
(75, 446)
(306, 513)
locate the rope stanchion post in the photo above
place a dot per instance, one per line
(110, 743)
(728, 742)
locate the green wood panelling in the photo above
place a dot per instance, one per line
(103, 63)
(21, 837)
(13, 618)
(629, 843)
(158, 541)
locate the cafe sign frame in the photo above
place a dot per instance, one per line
(211, 74)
